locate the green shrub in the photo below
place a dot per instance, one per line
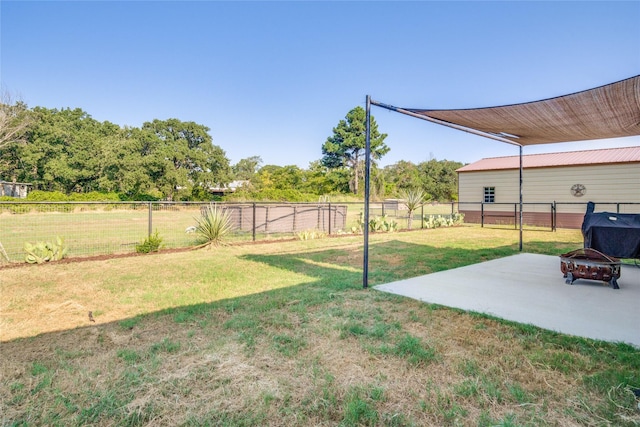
(47, 196)
(94, 196)
(139, 197)
(16, 208)
(153, 243)
(271, 195)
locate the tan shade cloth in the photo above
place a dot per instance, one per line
(609, 111)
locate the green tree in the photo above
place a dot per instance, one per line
(403, 175)
(289, 177)
(14, 120)
(440, 179)
(321, 180)
(247, 168)
(62, 150)
(346, 147)
(122, 169)
(180, 156)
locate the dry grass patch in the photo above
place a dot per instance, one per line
(282, 335)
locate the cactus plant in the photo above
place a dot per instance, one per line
(41, 252)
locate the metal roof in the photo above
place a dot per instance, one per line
(567, 158)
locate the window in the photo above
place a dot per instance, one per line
(489, 194)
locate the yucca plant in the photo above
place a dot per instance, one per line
(212, 226)
(413, 199)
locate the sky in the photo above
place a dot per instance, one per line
(273, 78)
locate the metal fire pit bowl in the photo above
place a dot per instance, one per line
(590, 264)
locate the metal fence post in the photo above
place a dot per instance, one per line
(254, 221)
(329, 218)
(295, 211)
(150, 219)
(481, 214)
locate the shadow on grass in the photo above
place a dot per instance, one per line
(333, 280)
(339, 269)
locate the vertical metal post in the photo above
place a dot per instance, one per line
(481, 214)
(422, 216)
(295, 211)
(367, 170)
(521, 198)
(254, 221)
(150, 222)
(329, 219)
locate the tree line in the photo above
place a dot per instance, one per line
(67, 151)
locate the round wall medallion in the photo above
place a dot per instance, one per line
(578, 190)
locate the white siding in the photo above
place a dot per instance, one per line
(604, 183)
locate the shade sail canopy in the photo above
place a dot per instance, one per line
(609, 111)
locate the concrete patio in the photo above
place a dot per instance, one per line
(530, 289)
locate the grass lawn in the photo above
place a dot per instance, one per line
(282, 334)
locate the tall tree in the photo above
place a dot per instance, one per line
(321, 180)
(62, 150)
(440, 179)
(403, 175)
(346, 147)
(289, 177)
(14, 120)
(180, 156)
(246, 169)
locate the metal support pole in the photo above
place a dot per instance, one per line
(150, 227)
(254, 222)
(521, 198)
(367, 171)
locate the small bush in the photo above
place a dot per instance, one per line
(153, 243)
(271, 195)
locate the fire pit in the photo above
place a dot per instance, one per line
(590, 264)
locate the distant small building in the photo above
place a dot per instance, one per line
(490, 187)
(229, 188)
(395, 205)
(14, 189)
